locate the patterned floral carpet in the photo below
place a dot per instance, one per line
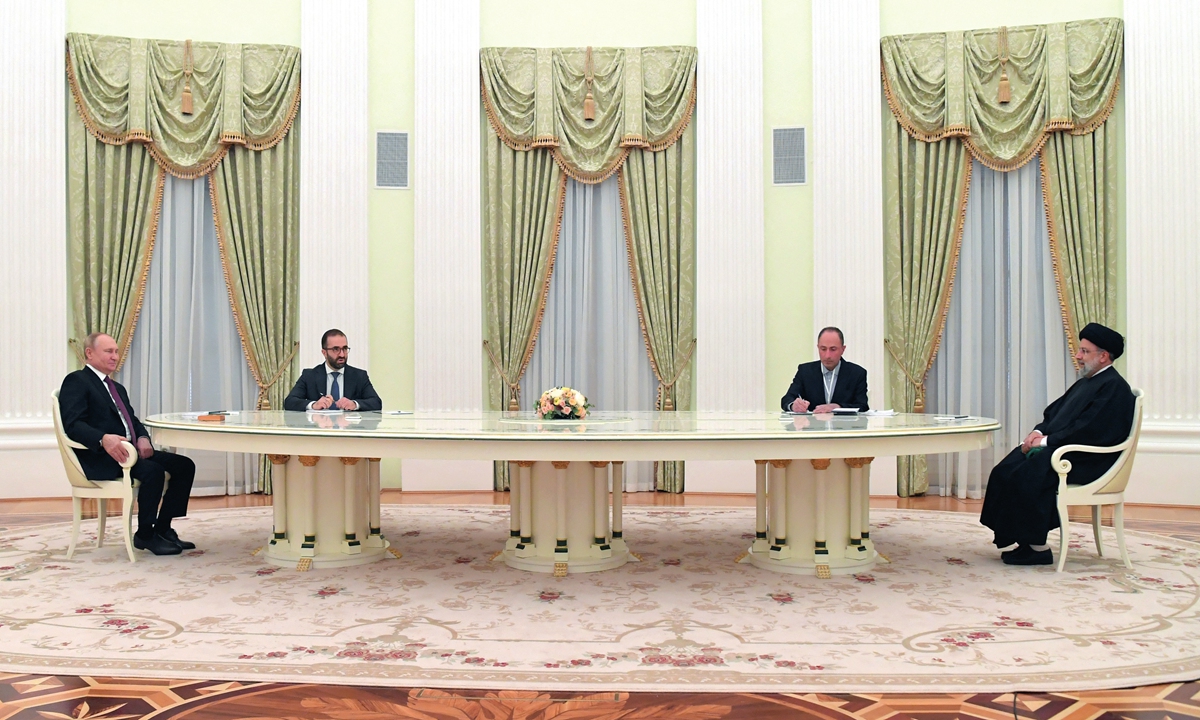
(943, 616)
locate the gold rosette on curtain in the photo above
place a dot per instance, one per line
(228, 111)
(586, 113)
(1001, 96)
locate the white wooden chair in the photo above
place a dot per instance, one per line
(1108, 489)
(123, 488)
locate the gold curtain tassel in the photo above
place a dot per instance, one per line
(1005, 94)
(589, 102)
(185, 100)
(513, 404)
(589, 107)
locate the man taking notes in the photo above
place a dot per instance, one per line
(1020, 502)
(96, 412)
(830, 383)
(333, 383)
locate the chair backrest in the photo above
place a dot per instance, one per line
(1118, 474)
(70, 460)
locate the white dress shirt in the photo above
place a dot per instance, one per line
(830, 379)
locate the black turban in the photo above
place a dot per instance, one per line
(1104, 338)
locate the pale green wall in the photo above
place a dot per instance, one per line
(233, 21)
(787, 209)
(391, 88)
(570, 23)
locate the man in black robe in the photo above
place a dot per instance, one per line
(1021, 501)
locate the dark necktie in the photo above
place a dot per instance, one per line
(336, 392)
(121, 407)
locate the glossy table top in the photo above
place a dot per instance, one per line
(599, 425)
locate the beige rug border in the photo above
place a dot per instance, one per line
(369, 675)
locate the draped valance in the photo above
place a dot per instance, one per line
(130, 90)
(1063, 77)
(534, 97)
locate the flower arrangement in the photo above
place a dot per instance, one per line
(561, 403)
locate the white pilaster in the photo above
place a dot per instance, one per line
(448, 330)
(334, 176)
(847, 181)
(730, 307)
(1162, 151)
(33, 289)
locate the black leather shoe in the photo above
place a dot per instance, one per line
(156, 544)
(1014, 551)
(1025, 555)
(171, 536)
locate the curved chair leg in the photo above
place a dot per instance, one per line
(1096, 529)
(101, 517)
(1119, 526)
(1064, 534)
(127, 526)
(77, 515)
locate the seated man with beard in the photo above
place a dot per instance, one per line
(1020, 504)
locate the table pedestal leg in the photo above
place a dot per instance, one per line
(860, 480)
(561, 554)
(600, 546)
(350, 544)
(514, 507)
(761, 544)
(618, 504)
(526, 548)
(374, 533)
(778, 520)
(857, 500)
(308, 501)
(279, 536)
(820, 541)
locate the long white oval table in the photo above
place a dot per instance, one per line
(812, 476)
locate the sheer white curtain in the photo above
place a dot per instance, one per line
(1003, 354)
(186, 354)
(590, 338)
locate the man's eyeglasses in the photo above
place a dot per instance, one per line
(338, 350)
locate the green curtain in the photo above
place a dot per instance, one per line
(255, 196)
(1079, 185)
(1063, 76)
(534, 98)
(537, 137)
(113, 197)
(130, 89)
(523, 194)
(924, 199)
(658, 201)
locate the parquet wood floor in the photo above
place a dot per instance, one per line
(58, 697)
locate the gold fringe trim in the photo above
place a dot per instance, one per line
(628, 142)
(190, 172)
(958, 233)
(590, 178)
(541, 311)
(985, 159)
(1056, 263)
(498, 127)
(126, 337)
(637, 287)
(238, 310)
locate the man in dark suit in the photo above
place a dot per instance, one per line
(333, 383)
(1020, 504)
(829, 383)
(96, 412)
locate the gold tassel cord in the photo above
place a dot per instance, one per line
(919, 403)
(185, 100)
(664, 390)
(589, 102)
(1005, 93)
(514, 389)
